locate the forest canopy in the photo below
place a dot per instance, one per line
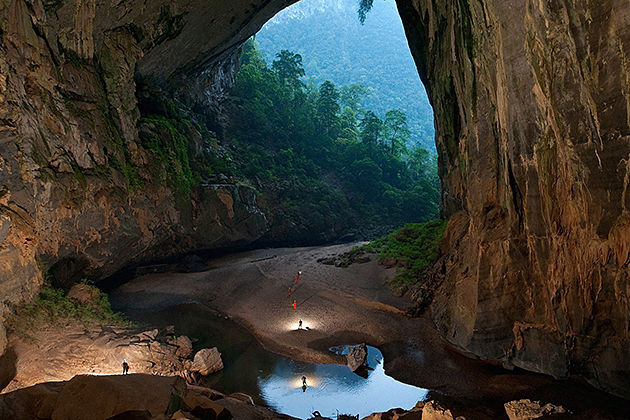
(324, 154)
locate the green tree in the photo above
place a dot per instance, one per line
(364, 7)
(328, 107)
(370, 127)
(251, 54)
(351, 96)
(396, 131)
(288, 67)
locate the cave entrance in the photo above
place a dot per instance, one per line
(346, 133)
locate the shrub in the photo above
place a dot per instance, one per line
(413, 248)
(52, 307)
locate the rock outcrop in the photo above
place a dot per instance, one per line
(356, 356)
(527, 410)
(532, 107)
(125, 397)
(58, 353)
(207, 361)
(80, 194)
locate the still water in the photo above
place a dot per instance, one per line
(275, 380)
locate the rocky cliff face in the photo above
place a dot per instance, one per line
(532, 105)
(80, 194)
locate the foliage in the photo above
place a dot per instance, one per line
(168, 142)
(52, 307)
(414, 247)
(335, 46)
(364, 7)
(396, 131)
(288, 67)
(323, 162)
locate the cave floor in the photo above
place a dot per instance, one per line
(345, 306)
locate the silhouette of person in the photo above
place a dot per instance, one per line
(125, 367)
(303, 388)
(300, 324)
(303, 380)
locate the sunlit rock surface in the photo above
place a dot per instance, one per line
(532, 105)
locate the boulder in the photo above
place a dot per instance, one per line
(527, 409)
(207, 361)
(83, 293)
(184, 347)
(434, 411)
(149, 335)
(356, 356)
(101, 397)
(183, 415)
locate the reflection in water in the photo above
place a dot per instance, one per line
(276, 381)
(333, 388)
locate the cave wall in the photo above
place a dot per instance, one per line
(79, 194)
(532, 110)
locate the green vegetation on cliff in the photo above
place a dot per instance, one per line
(413, 248)
(53, 307)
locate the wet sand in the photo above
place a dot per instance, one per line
(345, 306)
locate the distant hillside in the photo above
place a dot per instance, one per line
(337, 47)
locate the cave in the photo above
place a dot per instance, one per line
(532, 115)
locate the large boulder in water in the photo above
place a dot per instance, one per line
(356, 356)
(207, 361)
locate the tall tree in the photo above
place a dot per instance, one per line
(352, 95)
(288, 67)
(328, 107)
(251, 54)
(370, 127)
(396, 131)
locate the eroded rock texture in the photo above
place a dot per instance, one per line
(532, 104)
(79, 194)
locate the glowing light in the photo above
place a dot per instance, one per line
(311, 382)
(293, 325)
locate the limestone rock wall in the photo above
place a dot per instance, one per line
(78, 195)
(532, 105)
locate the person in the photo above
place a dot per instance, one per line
(125, 367)
(294, 304)
(297, 277)
(300, 324)
(289, 292)
(303, 380)
(303, 388)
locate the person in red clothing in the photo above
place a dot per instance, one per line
(295, 304)
(297, 277)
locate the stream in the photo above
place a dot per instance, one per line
(274, 380)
